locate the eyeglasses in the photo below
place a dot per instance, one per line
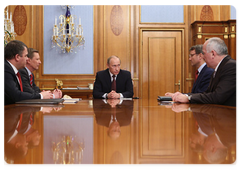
(191, 55)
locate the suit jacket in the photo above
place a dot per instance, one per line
(102, 84)
(202, 82)
(222, 88)
(103, 112)
(26, 82)
(12, 91)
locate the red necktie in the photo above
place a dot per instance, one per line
(31, 80)
(196, 75)
(114, 83)
(20, 81)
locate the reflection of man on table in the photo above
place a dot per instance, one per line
(17, 122)
(113, 113)
(218, 124)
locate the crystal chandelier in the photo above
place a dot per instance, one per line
(9, 33)
(65, 35)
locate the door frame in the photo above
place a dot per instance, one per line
(141, 30)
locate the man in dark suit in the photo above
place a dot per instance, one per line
(27, 76)
(15, 54)
(203, 73)
(104, 82)
(222, 87)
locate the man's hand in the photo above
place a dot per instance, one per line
(47, 94)
(57, 93)
(113, 95)
(179, 97)
(169, 94)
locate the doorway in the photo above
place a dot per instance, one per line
(161, 54)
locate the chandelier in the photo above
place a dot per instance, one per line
(66, 35)
(9, 33)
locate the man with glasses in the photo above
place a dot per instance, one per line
(222, 87)
(113, 83)
(203, 73)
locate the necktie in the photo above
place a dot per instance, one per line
(31, 80)
(196, 75)
(20, 81)
(20, 122)
(114, 83)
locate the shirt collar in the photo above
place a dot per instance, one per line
(201, 67)
(112, 75)
(29, 72)
(219, 64)
(14, 68)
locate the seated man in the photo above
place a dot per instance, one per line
(15, 54)
(203, 73)
(113, 82)
(222, 87)
(32, 64)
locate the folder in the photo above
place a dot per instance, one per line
(41, 101)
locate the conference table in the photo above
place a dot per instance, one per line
(128, 131)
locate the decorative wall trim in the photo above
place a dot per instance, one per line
(20, 19)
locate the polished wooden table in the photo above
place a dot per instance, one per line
(134, 131)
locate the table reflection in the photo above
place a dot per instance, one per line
(120, 132)
(216, 130)
(19, 134)
(214, 133)
(113, 113)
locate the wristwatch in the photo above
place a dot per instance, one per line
(189, 97)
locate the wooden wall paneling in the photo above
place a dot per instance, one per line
(210, 12)
(117, 34)
(22, 19)
(226, 30)
(134, 48)
(99, 62)
(232, 39)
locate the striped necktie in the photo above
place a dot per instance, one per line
(31, 80)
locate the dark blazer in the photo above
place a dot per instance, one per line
(222, 88)
(12, 92)
(26, 82)
(202, 82)
(102, 84)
